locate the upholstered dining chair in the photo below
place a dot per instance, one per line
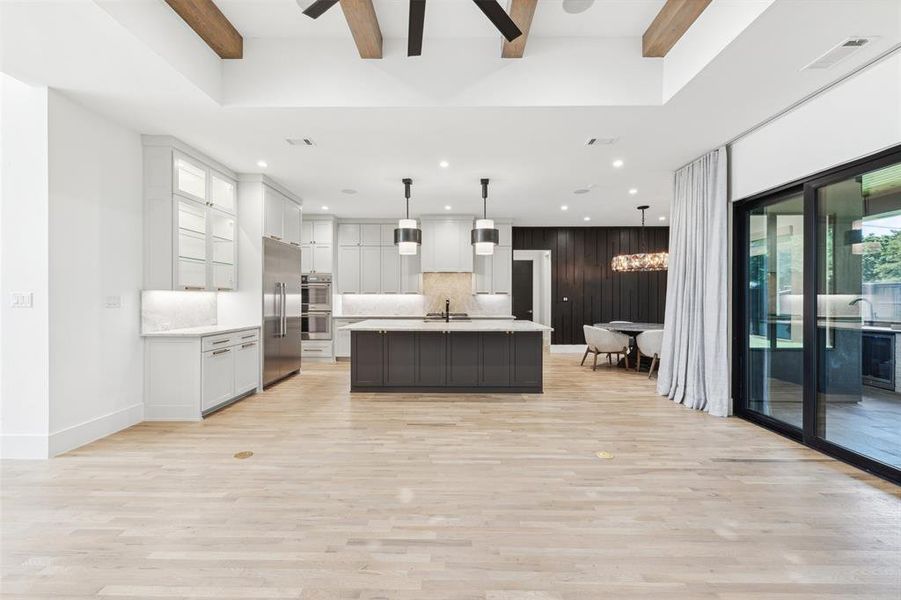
(604, 341)
(649, 344)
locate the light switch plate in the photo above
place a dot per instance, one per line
(112, 302)
(21, 299)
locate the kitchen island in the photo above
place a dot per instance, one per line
(406, 355)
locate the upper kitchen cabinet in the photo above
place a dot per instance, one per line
(318, 230)
(493, 273)
(317, 234)
(282, 219)
(368, 261)
(446, 245)
(190, 219)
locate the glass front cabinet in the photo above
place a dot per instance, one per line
(190, 221)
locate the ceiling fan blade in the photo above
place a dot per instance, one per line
(318, 7)
(497, 15)
(417, 22)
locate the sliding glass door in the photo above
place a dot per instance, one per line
(817, 319)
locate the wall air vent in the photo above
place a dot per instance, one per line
(301, 142)
(595, 141)
(839, 53)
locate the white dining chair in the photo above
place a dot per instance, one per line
(604, 341)
(649, 344)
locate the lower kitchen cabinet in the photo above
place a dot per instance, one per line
(186, 377)
(431, 361)
(463, 359)
(400, 358)
(494, 360)
(367, 350)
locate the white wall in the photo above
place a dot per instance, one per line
(24, 332)
(858, 117)
(96, 352)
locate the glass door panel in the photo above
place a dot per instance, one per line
(859, 314)
(775, 344)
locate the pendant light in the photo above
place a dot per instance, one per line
(484, 236)
(654, 261)
(407, 236)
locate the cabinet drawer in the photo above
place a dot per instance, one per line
(313, 348)
(226, 340)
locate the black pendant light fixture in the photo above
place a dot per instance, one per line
(407, 236)
(643, 261)
(484, 236)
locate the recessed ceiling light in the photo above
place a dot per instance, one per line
(586, 218)
(661, 219)
(618, 163)
(262, 164)
(564, 207)
(325, 208)
(444, 164)
(349, 191)
(633, 191)
(447, 207)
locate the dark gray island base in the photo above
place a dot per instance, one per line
(446, 361)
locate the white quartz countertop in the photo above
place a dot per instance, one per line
(421, 325)
(421, 317)
(198, 331)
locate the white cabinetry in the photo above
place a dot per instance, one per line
(282, 219)
(446, 245)
(316, 238)
(342, 338)
(186, 377)
(493, 274)
(190, 212)
(368, 261)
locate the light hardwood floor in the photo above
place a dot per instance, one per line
(479, 497)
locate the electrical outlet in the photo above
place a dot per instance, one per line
(21, 299)
(113, 302)
(565, 299)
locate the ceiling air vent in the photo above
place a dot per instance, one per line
(595, 141)
(301, 142)
(839, 53)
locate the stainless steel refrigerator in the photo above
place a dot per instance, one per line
(281, 310)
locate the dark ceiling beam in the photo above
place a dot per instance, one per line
(521, 11)
(495, 13)
(364, 26)
(317, 8)
(207, 21)
(670, 25)
(416, 26)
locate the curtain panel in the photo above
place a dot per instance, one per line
(694, 366)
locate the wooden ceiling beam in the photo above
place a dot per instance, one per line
(670, 25)
(364, 26)
(521, 11)
(207, 21)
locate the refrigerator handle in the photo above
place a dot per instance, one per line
(278, 307)
(284, 309)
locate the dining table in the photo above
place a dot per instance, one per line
(631, 329)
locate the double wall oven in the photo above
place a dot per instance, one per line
(316, 306)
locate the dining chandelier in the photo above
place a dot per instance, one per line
(642, 261)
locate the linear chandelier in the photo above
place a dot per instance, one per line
(642, 261)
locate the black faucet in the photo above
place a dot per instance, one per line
(447, 310)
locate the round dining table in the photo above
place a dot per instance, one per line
(630, 329)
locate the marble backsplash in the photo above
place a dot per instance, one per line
(436, 287)
(162, 310)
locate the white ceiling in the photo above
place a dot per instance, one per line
(137, 63)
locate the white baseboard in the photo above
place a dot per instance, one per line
(24, 446)
(94, 429)
(567, 348)
(172, 412)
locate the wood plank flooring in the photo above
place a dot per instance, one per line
(480, 497)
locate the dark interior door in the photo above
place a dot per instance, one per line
(522, 289)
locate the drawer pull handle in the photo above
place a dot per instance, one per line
(248, 344)
(225, 341)
(247, 337)
(223, 351)
(312, 350)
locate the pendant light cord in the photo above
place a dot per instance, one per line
(407, 184)
(485, 199)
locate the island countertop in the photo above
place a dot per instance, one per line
(421, 325)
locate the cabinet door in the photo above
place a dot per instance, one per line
(463, 241)
(306, 259)
(495, 358)
(349, 270)
(446, 251)
(342, 339)
(348, 234)
(388, 234)
(273, 214)
(191, 262)
(429, 231)
(218, 378)
(371, 234)
(502, 270)
(390, 270)
(224, 278)
(190, 178)
(247, 367)
(322, 259)
(505, 234)
(222, 192)
(431, 357)
(292, 222)
(463, 359)
(370, 269)
(400, 358)
(527, 358)
(322, 232)
(367, 361)
(306, 231)
(410, 274)
(481, 278)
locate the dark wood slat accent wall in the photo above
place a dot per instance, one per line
(580, 271)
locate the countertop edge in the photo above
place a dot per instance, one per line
(197, 331)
